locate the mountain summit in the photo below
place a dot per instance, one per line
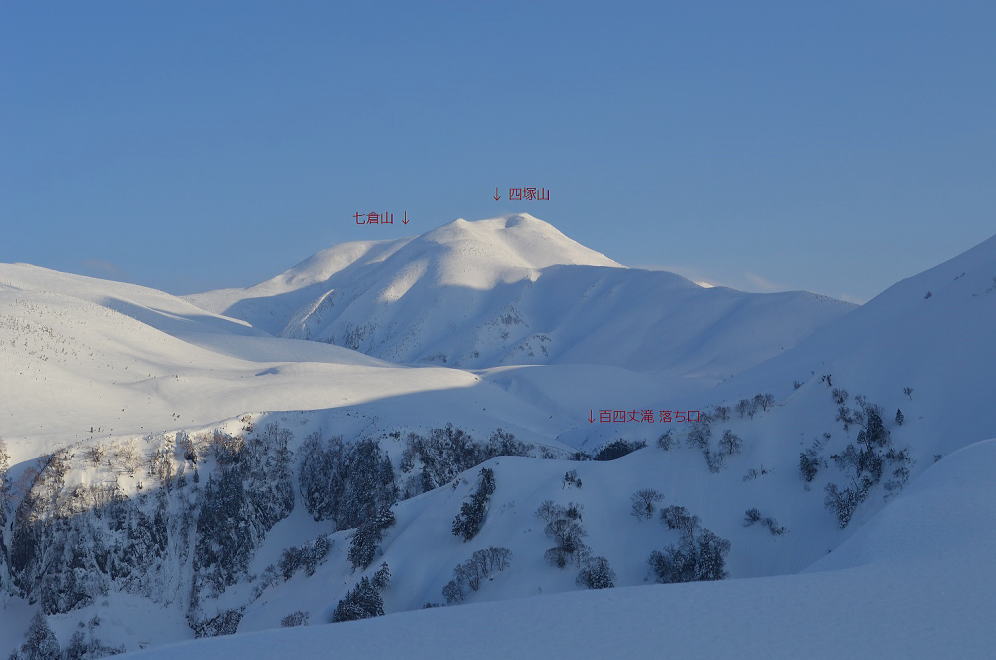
(516, 290)
(479, 255)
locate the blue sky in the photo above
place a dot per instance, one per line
(835, 147)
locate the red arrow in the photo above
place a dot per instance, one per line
(497, 196)
(591, 418)
(405, 220)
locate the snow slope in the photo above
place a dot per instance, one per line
(894, 590)
(933, 332)
(85, 357)
(514, 290)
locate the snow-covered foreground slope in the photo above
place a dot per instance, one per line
(514, 290)
(916, 582)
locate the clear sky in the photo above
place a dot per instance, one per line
(833, 146)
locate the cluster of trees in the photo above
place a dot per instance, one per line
(4, 486)
(666, 441)
(699, 555)
(448, 451)
(809, 464)
(55, 549)
(700, 435)
(364, 600)
(810, 461)
(845, 415)
(571, 478)
(865, 463)
(71, 545)
(618, 449)
(249, 493)
(354, 336)
(185, 445)
(563, 524)
(468, 576)
(307, 556)
(365, 542)
(720, 413)
(162, 465)
(40, 643)
(346, 483)
(750, 407)
(382, 577)
(225, 622)
(730, 444)
(643, 503)
(134, 548)
(298, 618)
(700, 438)
(121, 455)
(292, 560)
(474, 510)
(596, 573)
(753, 516)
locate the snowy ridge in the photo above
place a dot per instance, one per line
(513, 290)
(477, 254)
(270, 303)
(931, 332)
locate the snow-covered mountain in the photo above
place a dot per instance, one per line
(176, 472)
(515, 290)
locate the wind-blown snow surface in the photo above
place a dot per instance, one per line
(915, 582)
(515, 290)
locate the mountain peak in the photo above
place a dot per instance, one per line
(513, 289)
(515, 241)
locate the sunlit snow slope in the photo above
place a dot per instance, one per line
(515, 290)
(85, 357)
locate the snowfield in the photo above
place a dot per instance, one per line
(398, 432)
(123, 359)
